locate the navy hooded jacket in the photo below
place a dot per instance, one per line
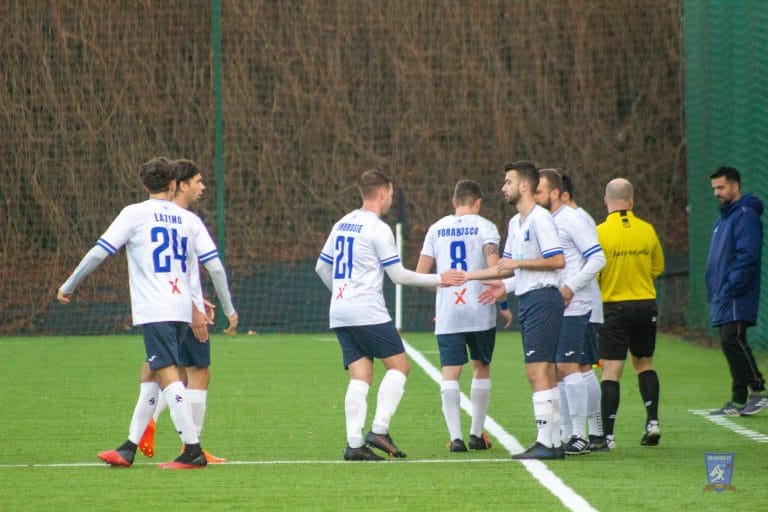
(733, 266)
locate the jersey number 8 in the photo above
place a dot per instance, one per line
(458, 255)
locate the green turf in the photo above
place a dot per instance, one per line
(276, 405)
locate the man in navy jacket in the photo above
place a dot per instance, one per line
(733, 288)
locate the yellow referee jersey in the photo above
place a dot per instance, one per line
(633, 258)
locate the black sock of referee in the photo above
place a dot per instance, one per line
(609, 404)
(648, 382)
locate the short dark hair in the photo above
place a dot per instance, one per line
(527, 171)
(467, 192)
(554, 179)
(157, 174)
(731, 174)
(567, 184)
(187, 170)
(371, 181)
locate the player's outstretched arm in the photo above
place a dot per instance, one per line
(453, 277)
(424, 266)
(88, 264)
(494, 291)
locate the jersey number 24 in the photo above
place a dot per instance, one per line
(168, 239)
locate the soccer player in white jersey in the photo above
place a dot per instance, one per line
(464, 241)
(359, 249)
(194, 356)
(591, 357)
(534, 254)
(584, 258)
(160, 238)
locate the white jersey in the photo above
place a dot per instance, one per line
(162, 240)
(594, 288)
(456, 242)
(358, 248)
(533, 237)
(583, 258)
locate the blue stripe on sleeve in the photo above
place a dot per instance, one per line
(592, 250)
(326, 259)
(209, 256)
(106, 246)
(552, 252)
(390, 261)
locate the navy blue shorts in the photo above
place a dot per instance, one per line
(194, 353)
(591, 354)
(371, 341)
(161, 342)
(540, 313)
(453, 347)
(629, 324)
(573, 339)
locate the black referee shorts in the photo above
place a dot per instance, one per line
(629, 325)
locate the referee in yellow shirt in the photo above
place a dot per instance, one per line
(633, 260)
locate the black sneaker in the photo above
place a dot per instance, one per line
(756, 403)
(457, 445)
(598, 444)
(189, 459)
(729, 409)
(652, 434)
(537, 451)
(362, 453)
(384, 443)
(480, 442)
(576, 446)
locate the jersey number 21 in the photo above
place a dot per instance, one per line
(342, 268)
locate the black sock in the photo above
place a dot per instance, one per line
(609, 404)
(127, 446)
(648, 382)
(193, 449)
(127, 450)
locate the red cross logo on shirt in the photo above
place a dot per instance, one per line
(175, 286)
(341, 292)
(460, 296)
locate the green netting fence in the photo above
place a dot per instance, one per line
(285, 103)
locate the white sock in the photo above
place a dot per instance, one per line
(555, 428)
(594, 418)
(181, 412)
(451, 398)
(142, 413)
(388, 398)
(197, 402)
(480, 394)
(566, 427)
(577, 403)
(161, 406)
(542, 411)
(355, 409)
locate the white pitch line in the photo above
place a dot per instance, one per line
(260, 463)
(724, 421)
(569, 498)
